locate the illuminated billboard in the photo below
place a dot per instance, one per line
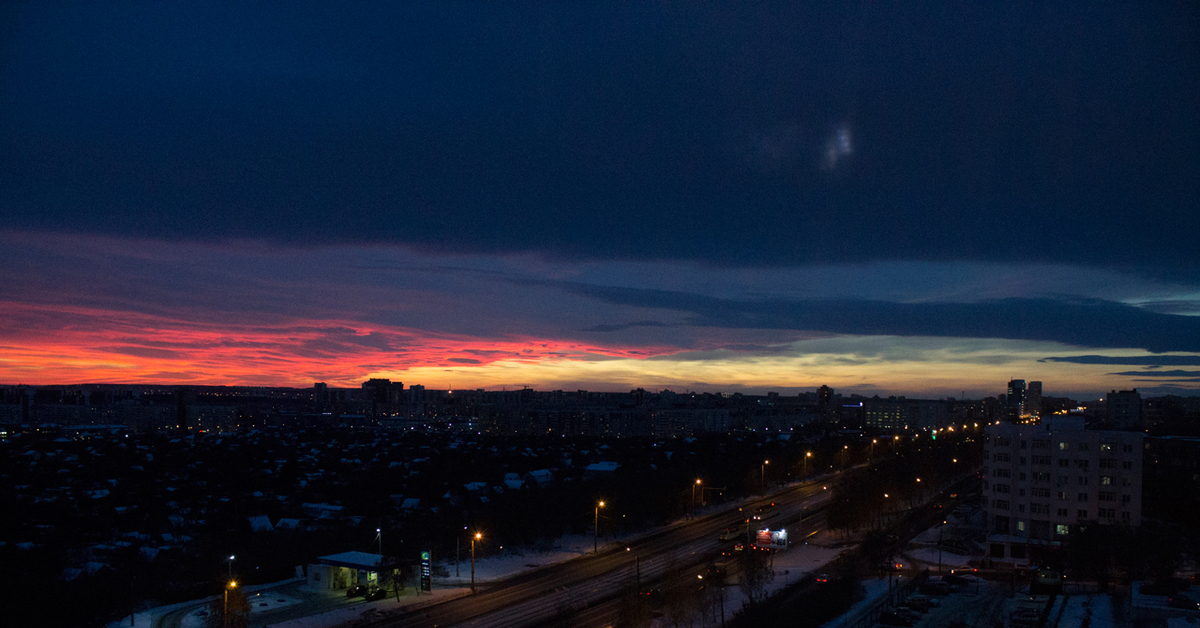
(774, 539)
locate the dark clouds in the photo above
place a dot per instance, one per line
(1056, 132)
(1076, 321)
(1153, 360)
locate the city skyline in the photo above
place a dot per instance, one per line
(882, 200)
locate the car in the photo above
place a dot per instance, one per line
(1025, 617)
(955, 579)
(1184, 602)
(936, 587)
(357, 590)
(823, 579)
(922, 602)
(892, 618)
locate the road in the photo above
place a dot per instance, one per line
(536, 597)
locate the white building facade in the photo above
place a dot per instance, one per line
(1042, 481)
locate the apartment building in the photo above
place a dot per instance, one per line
(1042, 481)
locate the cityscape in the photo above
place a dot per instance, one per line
(599, 315)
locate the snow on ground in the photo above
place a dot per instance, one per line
(146, 619)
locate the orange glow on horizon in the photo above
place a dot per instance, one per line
(103, 346)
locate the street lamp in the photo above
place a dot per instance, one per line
(231, 585)
(477, 537)
(871, 456)
(231, 567)
(596, 529)
(763, 479)
(807, 455)
(694, 497)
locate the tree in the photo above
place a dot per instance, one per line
(756, 574)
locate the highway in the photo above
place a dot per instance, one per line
(565, 589)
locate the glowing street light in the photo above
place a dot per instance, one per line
(763, 478)
(231, 567)
(477, 537)
(807, 455)
(694, 497)
(232, 584)
(596, 529)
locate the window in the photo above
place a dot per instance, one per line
(1082, 446)
(1041, 477)
(1081, 514)
(1000, 488)
(1125, 516)
(1126, 482)
(1062, 479)
(1106, 480)
(1081, 464)
(1061, 529)
(1021, 476)
(1127, 465)
(1021, 524)
(1039, 492)
(1041, 460)
(1062, 512)
(1021, 492)
(1107, 446)
(1064, 446)
(1041, 444)
(1106, 513)
(1125, 499)
(1107, 497)
(1108, 463)
(1127, 448)
(1039, 509)
(1001, 457)
(1000, 504)
(1082, 497)
(1082, 480)
(1022, 461)
(1062, 495)
(1064, 462)
(1002, 473)
(1023, 444)
(1003, 441)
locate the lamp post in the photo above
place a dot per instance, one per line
(596, 529)
(231, 585)
(457, 543)
(379, 537)
(694, 497)
(477, 537)
(871, 456)
(231, 567)
(807, 455)
(763, 478)
(845, 451)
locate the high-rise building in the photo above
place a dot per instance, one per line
(1033, 399)
(1043, 481)
(1016, 399)
(1124, 409)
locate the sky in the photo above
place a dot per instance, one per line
(926, 201)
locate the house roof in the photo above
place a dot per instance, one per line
(352, 560)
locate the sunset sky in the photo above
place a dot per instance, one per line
(881, 199)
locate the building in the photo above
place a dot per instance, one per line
(1016, 399)
(1033, 399)
(1124, 410)
(1042, 481)
(342, 571)
(900, 413)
